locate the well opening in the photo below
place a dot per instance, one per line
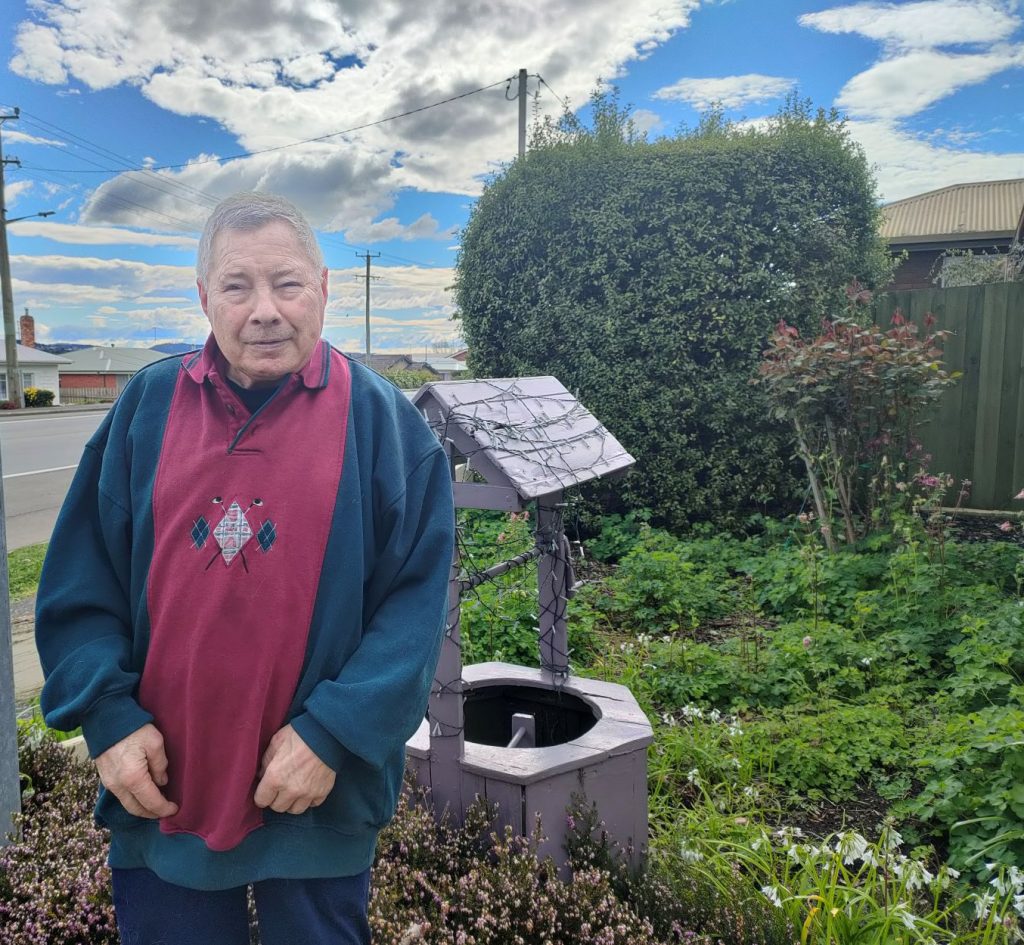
(559, 717)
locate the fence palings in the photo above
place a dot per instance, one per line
(977, 430)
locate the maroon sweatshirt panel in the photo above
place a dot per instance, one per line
(239, 544)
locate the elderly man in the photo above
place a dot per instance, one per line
(242, 606)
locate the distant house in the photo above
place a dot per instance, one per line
(101, 373)
(985, 217)
(388, 362)
(38, 369)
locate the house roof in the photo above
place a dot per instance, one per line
(445, 365)
(382, 362)
(981, 210)
(105, 360)
(32, 356)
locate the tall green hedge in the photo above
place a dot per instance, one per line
(648, 276)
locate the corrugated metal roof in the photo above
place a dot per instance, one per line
(963, 211)
(104, 360)
(32, 356)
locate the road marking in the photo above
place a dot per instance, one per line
(39, 472)
(52, 417)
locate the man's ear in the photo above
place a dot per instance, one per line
(323, 285)
(202, 297)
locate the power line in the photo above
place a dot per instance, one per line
(294, 144)
(564, 102)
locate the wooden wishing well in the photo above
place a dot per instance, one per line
(528, 738)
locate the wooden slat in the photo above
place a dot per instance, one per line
(1006, 485)
(990, 404)
(971, 367)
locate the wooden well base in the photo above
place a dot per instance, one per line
(606, 764)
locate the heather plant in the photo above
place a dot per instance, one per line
(54, 881)
(855, 396)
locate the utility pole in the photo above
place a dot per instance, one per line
(522, 113)
(14, 394)
(367, 256)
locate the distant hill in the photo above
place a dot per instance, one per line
(174, 347)
(61, 348)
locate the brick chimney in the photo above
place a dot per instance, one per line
(28, 330)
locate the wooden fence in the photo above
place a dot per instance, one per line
(87, 395)
(977, 431)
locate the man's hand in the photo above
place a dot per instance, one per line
(135, 769)
(292, 777)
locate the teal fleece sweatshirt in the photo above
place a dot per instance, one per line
(221, 573)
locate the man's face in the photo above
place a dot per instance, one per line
(265, 302)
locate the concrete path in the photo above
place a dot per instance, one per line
(28, 674)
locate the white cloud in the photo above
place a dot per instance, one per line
(908, 164)
(280, 79)
(12, 192)
(909, 83)
(646, 121)
(921, 25)
(425, 227)
(12, 135)
(731, 91)
(79, 234)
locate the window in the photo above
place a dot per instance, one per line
(28, 379)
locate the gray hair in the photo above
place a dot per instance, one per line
(251, 211)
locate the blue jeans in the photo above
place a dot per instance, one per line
(291, 911)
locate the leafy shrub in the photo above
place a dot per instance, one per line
(647, 276)
(827, 752)
(974, 772)
(38, 397)
(855, 395)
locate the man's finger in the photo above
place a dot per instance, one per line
(131, 805)
(158, 767)
(149, 796)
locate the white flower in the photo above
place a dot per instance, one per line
(715, 715)
(907, 918)
(736, 763)
(734, 729)
(693, 775)
(1018, 904)
(865, 661)
(689, 854)
(983, 905)
(757, 844)
(851, 847)
(772, 895)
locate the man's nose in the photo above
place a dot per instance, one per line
(264, 308)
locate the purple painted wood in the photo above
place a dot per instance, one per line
(552, 587)
(527, 432)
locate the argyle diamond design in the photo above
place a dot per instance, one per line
(232, 532)
(267, 535)
(200, 532)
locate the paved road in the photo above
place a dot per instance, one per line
(39, 459)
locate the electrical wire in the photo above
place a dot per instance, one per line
(294, 144)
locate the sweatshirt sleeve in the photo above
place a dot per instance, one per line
(379, 699)
(83, 615)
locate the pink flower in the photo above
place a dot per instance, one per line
(1020, 495)
(807, 641)
(1005, 527)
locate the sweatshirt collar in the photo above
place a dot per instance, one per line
(200, 365)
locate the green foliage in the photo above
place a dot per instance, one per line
(855, 396)
(960, 267)
(647, 276)
(23, 568)
(410, 380)
(38, 397)
(975, 785)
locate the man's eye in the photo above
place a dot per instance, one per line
(290, 285)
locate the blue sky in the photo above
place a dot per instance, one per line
(932, 89)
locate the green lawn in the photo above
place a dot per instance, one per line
(23, 567)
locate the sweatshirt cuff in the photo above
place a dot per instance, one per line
(110, 720)
(326, 747)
